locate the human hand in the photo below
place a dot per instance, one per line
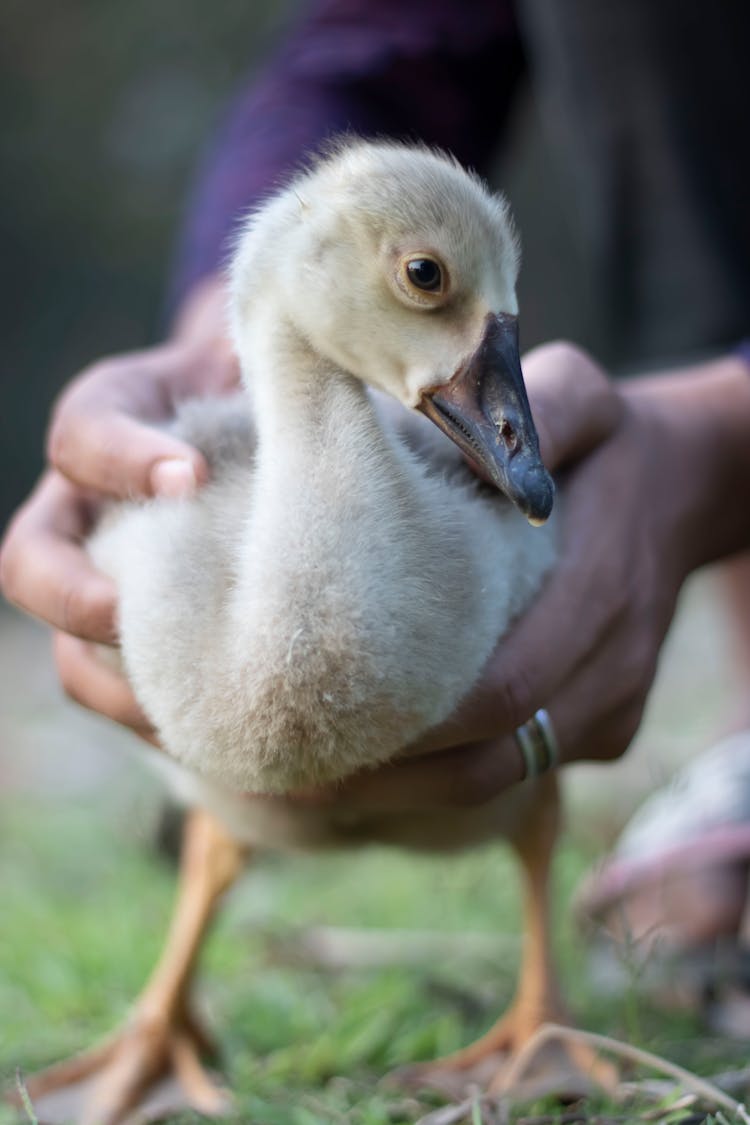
(105, 441)
(633, 524)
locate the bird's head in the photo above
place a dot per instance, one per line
(399, 267)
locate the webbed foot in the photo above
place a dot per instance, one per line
(566, 1068)
(152, 1068)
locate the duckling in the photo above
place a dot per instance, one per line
(338, 586)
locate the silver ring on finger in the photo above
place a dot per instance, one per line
(538, 744)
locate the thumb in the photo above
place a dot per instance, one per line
(115, 454)
(574, 404)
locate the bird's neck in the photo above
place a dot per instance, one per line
(315, 422)
(332, 488)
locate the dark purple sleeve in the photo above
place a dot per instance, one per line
(441, 71)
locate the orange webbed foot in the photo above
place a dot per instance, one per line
(150, 1069)
(499, 1063)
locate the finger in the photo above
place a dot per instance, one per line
(107, 431)
(88, 680)
(574, 404)
(45, 570)
(119, 456)
(596, 714)
(463, 777)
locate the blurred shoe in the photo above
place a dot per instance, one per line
(674, 891)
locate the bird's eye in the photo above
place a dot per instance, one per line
(422, 280)
(425, 274)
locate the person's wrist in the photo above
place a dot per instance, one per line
(701, 421)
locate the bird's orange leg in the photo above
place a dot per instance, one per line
(537, 1000)
(156, 1057)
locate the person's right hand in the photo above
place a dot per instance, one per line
(107, 440)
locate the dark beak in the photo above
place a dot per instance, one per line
(485, 411)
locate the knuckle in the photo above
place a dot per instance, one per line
(562, 350)
(565, 355)
(70, 409)
(515, 701)
(75, 611)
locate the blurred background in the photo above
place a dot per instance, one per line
(105, 108)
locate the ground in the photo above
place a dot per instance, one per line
(84, 903)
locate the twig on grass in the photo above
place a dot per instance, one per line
(689, 1081)
(24, 1098)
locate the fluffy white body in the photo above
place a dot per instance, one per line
(338, 586)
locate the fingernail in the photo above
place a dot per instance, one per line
(174, 478)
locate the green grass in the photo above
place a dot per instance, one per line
(85, 903)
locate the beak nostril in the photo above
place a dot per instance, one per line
(509, 436)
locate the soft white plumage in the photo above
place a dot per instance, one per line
(338, 586)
